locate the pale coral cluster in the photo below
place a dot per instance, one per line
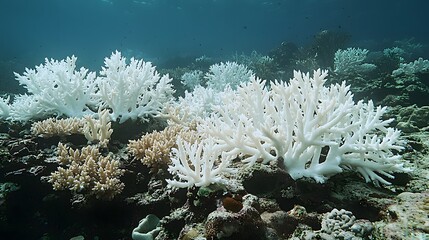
(133, 90)
(4, 107)
(98, 130)
(154, 149)
(351, 62)
(198, 164)
(57, 127)
(229, 74)
(312, 130)
(418, 66)
(87, 171)
(95, 130)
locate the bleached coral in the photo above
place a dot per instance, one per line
(337, 221)
(227, 74)
(194, 105)
(4, 107)
(133, 90)
(418, 66)
(25, 107)
(55, 87)
(312, 130)
(199, 164)
(87, 171)
(351, 61)
(192, 79)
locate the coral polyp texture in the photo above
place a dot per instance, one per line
(154, 148)
(95, 130)
(87, 171)
(311, 130)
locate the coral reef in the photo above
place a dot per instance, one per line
(247, 159)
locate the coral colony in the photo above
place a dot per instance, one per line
(227, 121)
(312, 130)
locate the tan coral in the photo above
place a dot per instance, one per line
(95, 130)
(87, 171)
(57, 127)
(153, 149)
(98, 130)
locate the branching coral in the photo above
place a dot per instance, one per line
(350, 62)
(56, 87)
(418, 66)
(4, 107)
(199, 164)
(227, 74)
(98, 130)
(312, 130)
(133, 90)
(57, 127)
(87, 171)
(154, 149)
(95, 130)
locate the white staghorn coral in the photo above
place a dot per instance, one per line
(133, 90)
(56, 88)
(418, 66)
(227, 74)
(199, 164)
(192, 79)
(351, 62)
(312, 130)
(4, 107)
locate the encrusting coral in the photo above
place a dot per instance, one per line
(87, 171)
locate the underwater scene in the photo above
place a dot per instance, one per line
(214, 119)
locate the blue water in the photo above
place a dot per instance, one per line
(160, 29)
